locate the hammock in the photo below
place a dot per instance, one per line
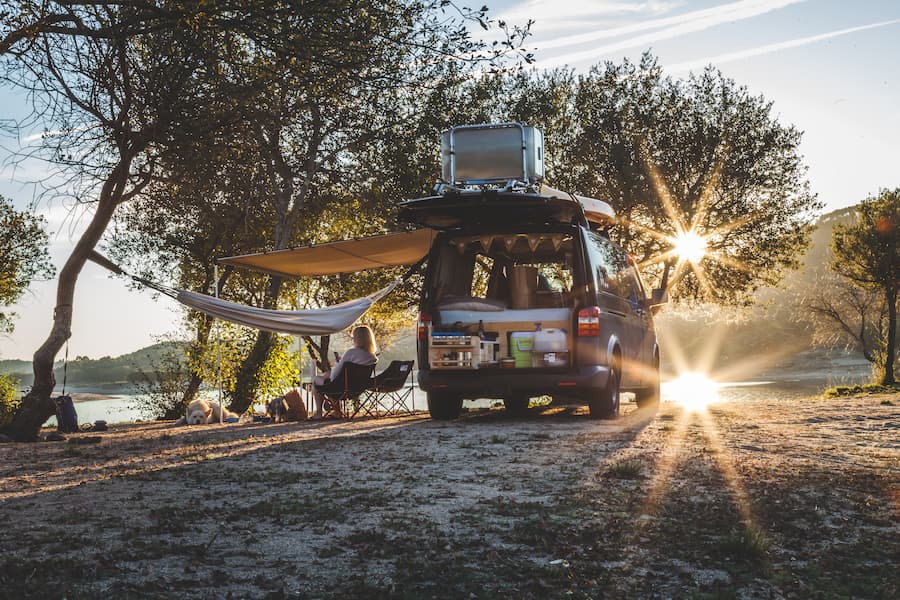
(315, 321)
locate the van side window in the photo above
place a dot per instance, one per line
(628, 285)
(607, 263)
(615, 272)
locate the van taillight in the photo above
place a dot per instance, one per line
(424, 323)
(589, 322)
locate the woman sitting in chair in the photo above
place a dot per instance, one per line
(362, 353)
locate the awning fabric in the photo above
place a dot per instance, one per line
(348, 256)
(317, 321)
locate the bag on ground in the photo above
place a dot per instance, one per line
(66, 417)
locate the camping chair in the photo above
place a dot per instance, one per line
(353, 380)
(389, 392)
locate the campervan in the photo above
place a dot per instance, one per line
(524, 293)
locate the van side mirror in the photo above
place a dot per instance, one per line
(659, 297)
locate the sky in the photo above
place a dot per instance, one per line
(830, 67)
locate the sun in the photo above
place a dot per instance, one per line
(695, 391)
(689, 246)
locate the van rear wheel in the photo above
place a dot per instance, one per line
(605, 404)
(443, 406)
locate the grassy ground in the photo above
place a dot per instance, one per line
(745, 500)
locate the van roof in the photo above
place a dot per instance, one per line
(461, 207)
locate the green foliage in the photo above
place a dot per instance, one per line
(868, 251)
(161, 387)
(276, 375)
(23, 256)
(9, 399)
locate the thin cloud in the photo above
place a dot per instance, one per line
(768, 49)
(553, 13)
(666, 28)
(703, 19)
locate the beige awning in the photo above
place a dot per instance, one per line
(346, 256)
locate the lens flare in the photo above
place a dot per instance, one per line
(694, 391)
(690, 246)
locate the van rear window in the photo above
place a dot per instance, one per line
(528, 270)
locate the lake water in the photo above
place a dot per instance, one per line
(119, 408)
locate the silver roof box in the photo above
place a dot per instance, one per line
(492, 153)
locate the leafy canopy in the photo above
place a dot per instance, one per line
(868, 252)
(23, 256)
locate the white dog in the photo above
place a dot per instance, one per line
(201, 412)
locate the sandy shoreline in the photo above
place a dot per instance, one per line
(750, 499)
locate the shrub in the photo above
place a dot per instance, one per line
(161, 389)
(9, 399)
(748, 543)
(627, 468)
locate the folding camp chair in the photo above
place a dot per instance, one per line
(353, 380)
(388, 392)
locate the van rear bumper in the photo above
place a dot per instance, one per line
(502, 383)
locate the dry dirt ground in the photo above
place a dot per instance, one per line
(761, 499)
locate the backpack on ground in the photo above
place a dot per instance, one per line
(66, 417)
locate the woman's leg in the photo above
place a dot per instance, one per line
(319, 398)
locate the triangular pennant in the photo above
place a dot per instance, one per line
(557, 241)
(461, 245)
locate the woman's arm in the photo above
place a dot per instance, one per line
(336, 370)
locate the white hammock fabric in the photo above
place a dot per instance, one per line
(316, 321)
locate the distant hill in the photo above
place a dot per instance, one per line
(818, 254)
(83, 371)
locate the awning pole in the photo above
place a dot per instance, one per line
(300, 352)
(218, 351)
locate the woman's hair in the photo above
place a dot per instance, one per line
(363, 338)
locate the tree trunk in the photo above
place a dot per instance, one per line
(319, 352)
(891, 349)
(37, 405)
(246, 384)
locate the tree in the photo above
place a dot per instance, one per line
(112, 85)
(674, 156)
(23, 256)
(867, 254)
(352, 70)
